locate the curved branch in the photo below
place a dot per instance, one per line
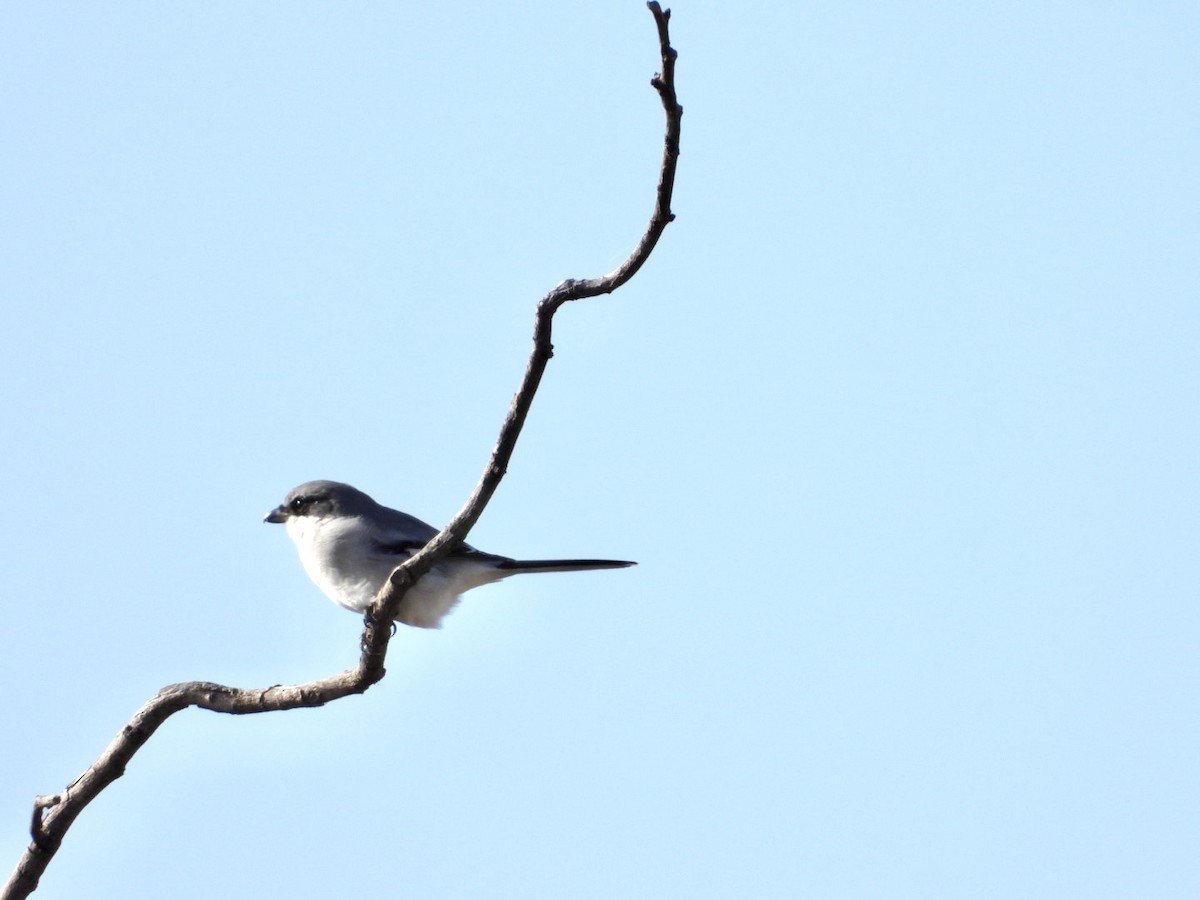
(388, 601)
(54, 814)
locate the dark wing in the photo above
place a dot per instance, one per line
(402, 549)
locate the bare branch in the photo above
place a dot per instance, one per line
(388, 601)
(54, 814)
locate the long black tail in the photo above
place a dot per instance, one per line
(561, 565)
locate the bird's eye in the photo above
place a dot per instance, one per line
(297, 504)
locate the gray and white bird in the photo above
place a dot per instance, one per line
(350, 545)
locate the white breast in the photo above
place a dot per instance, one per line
(336, 554)
(340, 555)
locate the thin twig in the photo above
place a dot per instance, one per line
(53, 814)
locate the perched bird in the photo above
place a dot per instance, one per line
(350, 545)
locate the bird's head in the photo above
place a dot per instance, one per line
(320, 500)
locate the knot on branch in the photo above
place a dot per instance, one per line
(37, 829)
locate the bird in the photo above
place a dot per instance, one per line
(349, 545)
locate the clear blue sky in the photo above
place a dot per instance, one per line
(901, 422)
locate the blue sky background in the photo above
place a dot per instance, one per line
(900, 421)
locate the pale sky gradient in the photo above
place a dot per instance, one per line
(900, 421)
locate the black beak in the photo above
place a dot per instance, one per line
(277, 516)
